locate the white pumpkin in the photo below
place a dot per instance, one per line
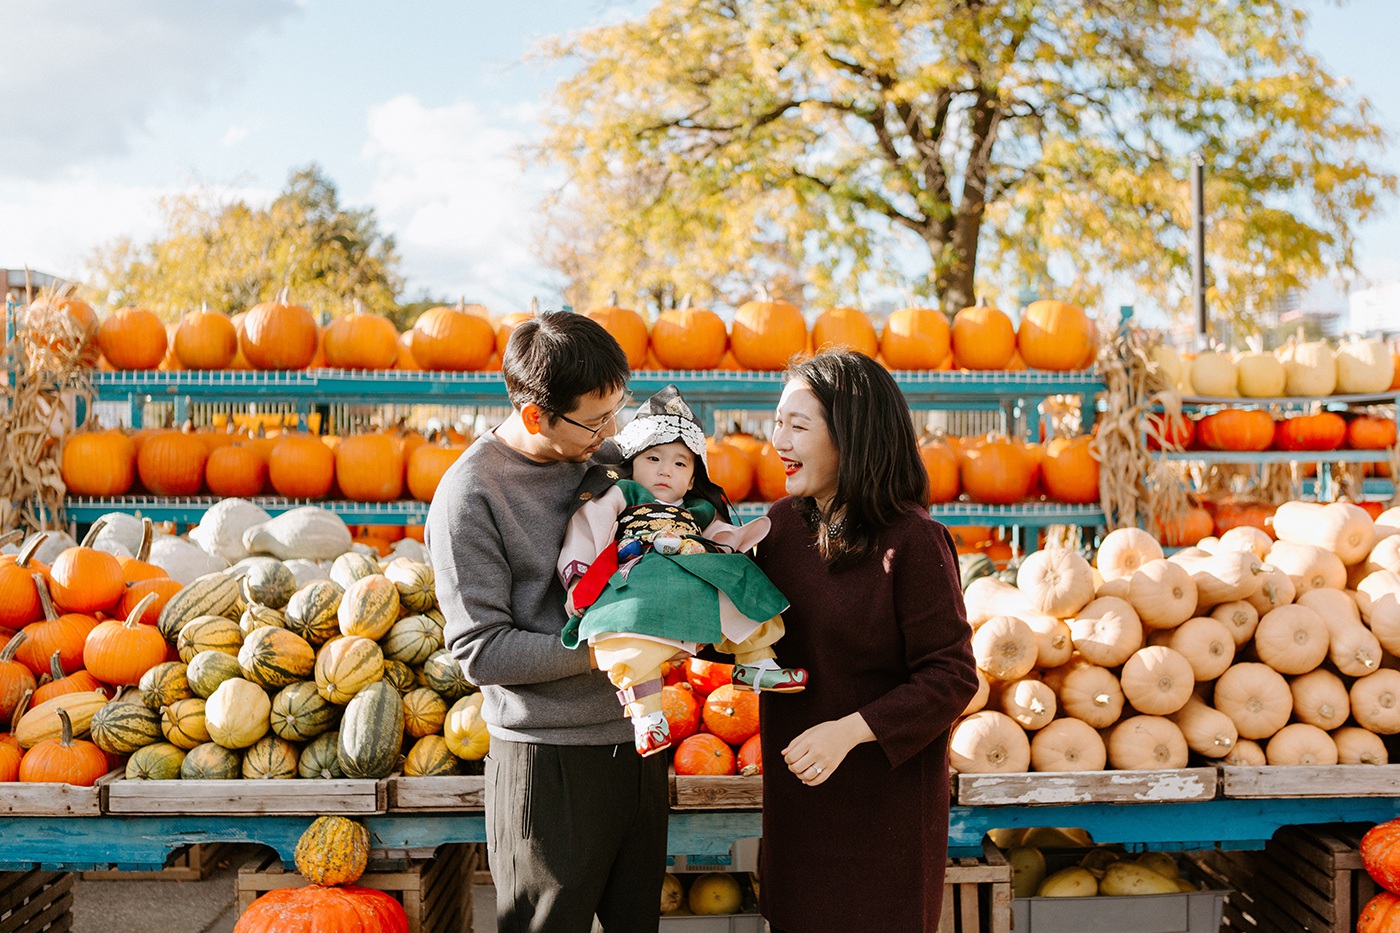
(309, 532)
(989, 742)
(182, 561)
(1259, 375)
(1059, 581)
(1310, 369)
(1364, 367)
(1213, 375)
(120, 535)
(1123, 551)
(1068, 745)
(220, 530)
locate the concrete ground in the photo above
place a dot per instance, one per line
(208, 906)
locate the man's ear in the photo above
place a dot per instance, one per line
(531, 415)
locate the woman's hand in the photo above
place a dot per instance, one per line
(819, 751)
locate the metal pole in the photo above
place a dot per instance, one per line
(1198, 245)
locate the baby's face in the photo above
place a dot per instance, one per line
(666, 470)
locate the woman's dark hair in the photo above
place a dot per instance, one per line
(557, 358)
(701, 486)
(879, 474)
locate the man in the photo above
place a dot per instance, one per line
(576, 820)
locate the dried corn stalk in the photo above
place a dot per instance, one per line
(45, 374)
(1133, 484)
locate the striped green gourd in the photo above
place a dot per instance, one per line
(275, 657)
(429, 757)
(270, 758)
(414, 580)
(120, 728)
(399, 676)
(311, 612)
(158, 762)
(444, 674)
(214, 594)
(183, 723)
(371, 732)
(266, 581)
(352, 566)
(164, 684)
(208, 669)
(300, 713)
(320, 758)
(208, 633)
(423, 712)
(210, 762)
(412, 640)
(370, 607)
(257, 616)
(346, 666)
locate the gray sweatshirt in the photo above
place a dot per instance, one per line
(494, 530)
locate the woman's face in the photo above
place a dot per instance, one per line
(803, 441)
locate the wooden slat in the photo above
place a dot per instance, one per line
(706, 792)
(1064, 787)
(192, 863)
(1307, 781)
(24, 799)
(253, 798)
(462, 793)
(37, 900)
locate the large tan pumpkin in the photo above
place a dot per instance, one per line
(1058, 581)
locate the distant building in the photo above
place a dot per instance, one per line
(1376, 309)
(12, 282)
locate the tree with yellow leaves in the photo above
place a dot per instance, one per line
(957, 146)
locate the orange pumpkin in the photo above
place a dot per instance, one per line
(1193, 525)
(770, 474)
(1381, 914)
(132, 338)
(682, 709)
(301, 467)
(236, 471)
(61, 684)
(278, 336)
(426, 466)
(86, 580)
(62, 633)
(506, 327)
(16, 680)
(361, 341)
(171, 463)
(941, 464)
(766, 335)
(732, 714)
(205, 340)
(1371, 432)
(982, 338)
(65, 325)
(845, 328)
(627, 328)
(119, 652)
(705, 677)
(1325, 430)
(750, 444)
(689, 338)
(19, 600)
(163, 588)
(138, 567)
(1236, 429)
(728, 363)
(1070, 471)
(1380, 854)
(730, 468)
(997, 471)
(403, 353)
(1177, 431)
(64, 760)
(452, 340)
(915, 338)
(99, 463)
(704, 753)
(370, 468)
(1055, 335)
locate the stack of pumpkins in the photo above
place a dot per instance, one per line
(1243, 649)
(286, 664)
(1356, 366)
(714, 726)
(765, 335)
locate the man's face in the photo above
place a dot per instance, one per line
(576, 435)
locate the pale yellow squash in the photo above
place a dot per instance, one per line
(1385, 555)
(1029, 702)
(979, 699)
(1301, 744)
(1364, 366)
(1092, 694)
(1355, 746)
(1224, 577)
(237, 714)
(1147, 743)
(1246, 754)
(1124, 550)
(1310, 369)
(1106, 632)
(1255, 697)
(1004, 648)
(1375, 702)
(1068, 745)
(1208, 732)
(1308, 566)
(1320, 699)
(1378, 600)
(1157, 681)
(1246, 538)
(1291, 639)
(1162, 594)
(989, 742)
(1206, 643)
(1239, 617)
(988, 597)
(1388, 522)
(1118, 588)
(1275, 589)
(1058, 581)
(1213, 375)
(1343, 528)
(1259, 375)
(1054, 643)
(1351, 646)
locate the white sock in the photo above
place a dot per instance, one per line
(766, 664)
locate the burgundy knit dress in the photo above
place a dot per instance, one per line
(888, 637)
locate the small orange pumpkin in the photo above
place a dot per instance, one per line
(452, 340)
(941, 464)
(766, 334)
(730, 468)
(916, 338)
(370, 468)
(997, 471)
(426, 466)
(119, 652)
(64, 760)
(1236, 429)
(982, 338)
(235, 471)
(1371, 432)
(86, 580)
(689, 338)
(132, 338)
(845, 328)
(99, 463)
(171, 463)
(1055, 335)
(1070, 471)
(205, 340)
(361, 341)
(277, 335)
(627, 328)
(704, 753)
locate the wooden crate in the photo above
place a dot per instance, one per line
(36, 901)
(977, 894)
(436, 893)
(242, 797)
(450, 793)
(1311, 781)
(1064, 787)
(192, 863)
(1308, 878)
(716, 792)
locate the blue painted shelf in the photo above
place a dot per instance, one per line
(1029, 514)
(1289, 401)
(190, 509)
(1281, 456)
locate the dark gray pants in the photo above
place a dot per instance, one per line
(574, 831)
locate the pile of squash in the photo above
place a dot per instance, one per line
(301, 656)
(1299, 369)
(1244, 649)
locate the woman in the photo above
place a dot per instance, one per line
(855, 788)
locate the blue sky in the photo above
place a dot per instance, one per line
(412, 108)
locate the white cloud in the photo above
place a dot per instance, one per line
(81, 78)
(450, 188)
(234, 135)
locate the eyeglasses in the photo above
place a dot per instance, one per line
(606, 421)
